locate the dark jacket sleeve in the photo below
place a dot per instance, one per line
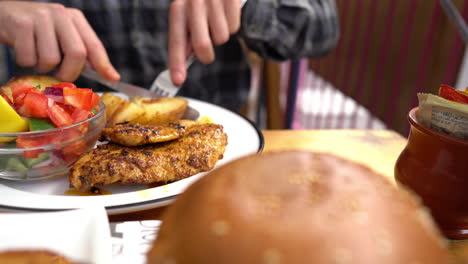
(290, 29)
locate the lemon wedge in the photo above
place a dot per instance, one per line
(10, 121)
(205, 120)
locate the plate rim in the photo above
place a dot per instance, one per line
(112, 209)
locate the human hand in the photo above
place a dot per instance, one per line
(46, 36)
(200, 24)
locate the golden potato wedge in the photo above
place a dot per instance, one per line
(160, 110)
(119, 110)
(42, 80)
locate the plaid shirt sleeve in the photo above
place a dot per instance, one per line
(135, 34)
(290, 29)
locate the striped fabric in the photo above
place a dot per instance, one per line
(135, 34)
(388, 52)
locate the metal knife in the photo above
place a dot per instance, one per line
(132, 90)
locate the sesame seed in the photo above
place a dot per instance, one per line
(342, 256)
(361, 218)
(271, 256)
(169, 261)
(220, 228)
(382, 243)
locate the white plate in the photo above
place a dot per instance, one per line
(48, 195)
(80, 235)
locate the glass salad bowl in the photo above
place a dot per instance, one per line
(51, 152)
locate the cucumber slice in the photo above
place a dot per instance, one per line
(37, 124)
(3, 162)
(15, 164)
(31, 162)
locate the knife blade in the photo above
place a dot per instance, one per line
(132, 90)
(123, 87)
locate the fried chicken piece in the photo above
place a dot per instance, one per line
(132, 135)
(198, 150)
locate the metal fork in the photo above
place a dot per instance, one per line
(163, 84)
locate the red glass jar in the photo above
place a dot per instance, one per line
(435, 166)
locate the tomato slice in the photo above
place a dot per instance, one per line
(449, 93)
(35, 105)
(78, 97)
(59, 117)
(63, 85)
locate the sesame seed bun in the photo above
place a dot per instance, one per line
(296, 207)
(38, 256)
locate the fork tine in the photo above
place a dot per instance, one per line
(163, 84)
(159, 91)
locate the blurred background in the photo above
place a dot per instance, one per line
(388, 52)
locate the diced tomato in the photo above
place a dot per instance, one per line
(7, 99)
(34, 105)
(80, 115)
(20, 89)
(25, 141)
(63, 85)
(19, 100)
(70, 142)
(59, 117)
(31, 154)
(78, 97)
(76, 106)
(94, 100)
(68, 108)
(70, 157)
(449, 93)
(77, 148)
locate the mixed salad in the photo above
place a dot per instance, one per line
(34, 108)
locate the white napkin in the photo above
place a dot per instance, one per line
(81, 235)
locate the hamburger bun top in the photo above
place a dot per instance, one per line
(33, 256)
(296, 207)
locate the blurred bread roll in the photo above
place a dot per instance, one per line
(296, 207)
(32, 257)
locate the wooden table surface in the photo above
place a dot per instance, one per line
(379, 149)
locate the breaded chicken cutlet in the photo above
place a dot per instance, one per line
(201, 146)
(132, 135)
